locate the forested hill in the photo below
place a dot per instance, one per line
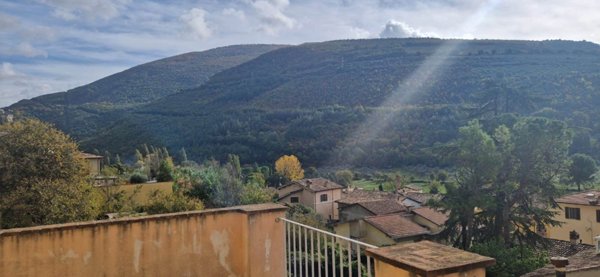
(310, 100)
(82, 110)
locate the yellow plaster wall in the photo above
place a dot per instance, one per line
(383, 269)
(330, 207)
(241, 241)
(375, 237)
(587, 227)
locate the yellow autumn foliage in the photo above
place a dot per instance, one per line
(289, 166)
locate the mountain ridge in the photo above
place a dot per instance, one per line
(307, 99)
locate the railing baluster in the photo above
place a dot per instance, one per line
(368, 266)
(305, 252)
(326, 256)
(350, 259)
(300, 252)
(333, 256)
(319, 252)
(341, 260)
(297, 251)
(287, 249)
(294, 253)
(312, 253)
(358, 264)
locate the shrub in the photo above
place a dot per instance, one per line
(138, 178)
(510, 261)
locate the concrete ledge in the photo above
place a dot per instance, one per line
(428, 258)
(245, 209)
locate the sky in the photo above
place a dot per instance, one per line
(54, 45)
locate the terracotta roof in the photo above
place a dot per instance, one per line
(316, 184)
(89, 156)
(427, 258)
(359, 195)
(288, 194)
(432, 215)
(580, 198)
(381, 207)
(584, 260)
(420, 197)
(561, 248)
(396, 225)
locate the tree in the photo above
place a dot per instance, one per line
(165, 170)
(344, 177)
(582, 169)
(43, 178)
(183, 155)
(289, 167)
(476, 158)
(510, 178)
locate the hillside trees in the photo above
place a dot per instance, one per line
(582, 169)
(223, 185)
(43, 179)
(506, 181)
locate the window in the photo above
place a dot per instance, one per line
(597, 215)
(323, 197)
(294, 199)
(572, 213)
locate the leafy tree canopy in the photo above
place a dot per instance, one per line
(43, 178)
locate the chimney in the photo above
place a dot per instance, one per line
(560, 264)
(592, 198)
(573, 237)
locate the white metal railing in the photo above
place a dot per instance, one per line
(315, 252)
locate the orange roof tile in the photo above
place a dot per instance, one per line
(396, 225)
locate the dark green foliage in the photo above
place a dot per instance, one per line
(510, 261)
(221, 185)
(510, 177)
(43, 178)
(138, 178)
(308, 99)
(84, 110)
(344, 177)
(305, 215)
(582, 169)
(165, 170)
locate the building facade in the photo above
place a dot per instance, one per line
(580, 217)
(319, 194)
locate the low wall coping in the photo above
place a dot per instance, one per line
(429, 258)
(245, 209)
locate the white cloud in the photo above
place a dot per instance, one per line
(196, 23)
(87, 9)
(271, 15)
(7, 71)
(27, 50)
(398, 29)
(239, 14)
(8, 22)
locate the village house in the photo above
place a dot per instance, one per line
(94, 163)
(319, 194)
(430, 218)
(580, 215)
(390, 229)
